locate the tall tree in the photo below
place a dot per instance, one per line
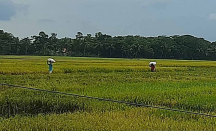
(99, 41)
(41, 43)
(24, 46)
(86, 43)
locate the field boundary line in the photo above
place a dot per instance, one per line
(103, 99)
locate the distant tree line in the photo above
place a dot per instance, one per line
(103, 45)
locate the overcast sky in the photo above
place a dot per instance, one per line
(24, 18)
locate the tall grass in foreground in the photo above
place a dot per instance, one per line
(133, 119)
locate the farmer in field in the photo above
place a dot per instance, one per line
(152, 65)
(50, 62)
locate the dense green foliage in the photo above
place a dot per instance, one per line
(103, 45)
(186, 85)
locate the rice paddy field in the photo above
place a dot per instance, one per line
(177, 84)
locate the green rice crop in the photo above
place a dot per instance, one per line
(177, 84)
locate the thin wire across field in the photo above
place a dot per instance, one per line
(103, 99)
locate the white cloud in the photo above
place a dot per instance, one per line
(212, 16)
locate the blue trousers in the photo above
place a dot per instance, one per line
(50, 68)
